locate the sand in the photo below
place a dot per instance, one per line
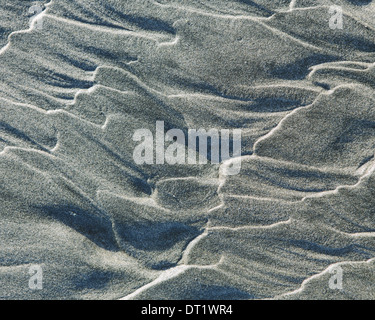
(85, 75)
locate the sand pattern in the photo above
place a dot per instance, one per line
(73, 201)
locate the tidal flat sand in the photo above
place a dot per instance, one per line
(81, 219)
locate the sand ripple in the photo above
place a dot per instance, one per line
(74, 201)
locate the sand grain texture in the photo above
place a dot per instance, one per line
(102, 227)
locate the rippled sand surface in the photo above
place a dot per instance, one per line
(74, 202)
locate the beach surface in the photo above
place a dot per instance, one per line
(79, 77)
